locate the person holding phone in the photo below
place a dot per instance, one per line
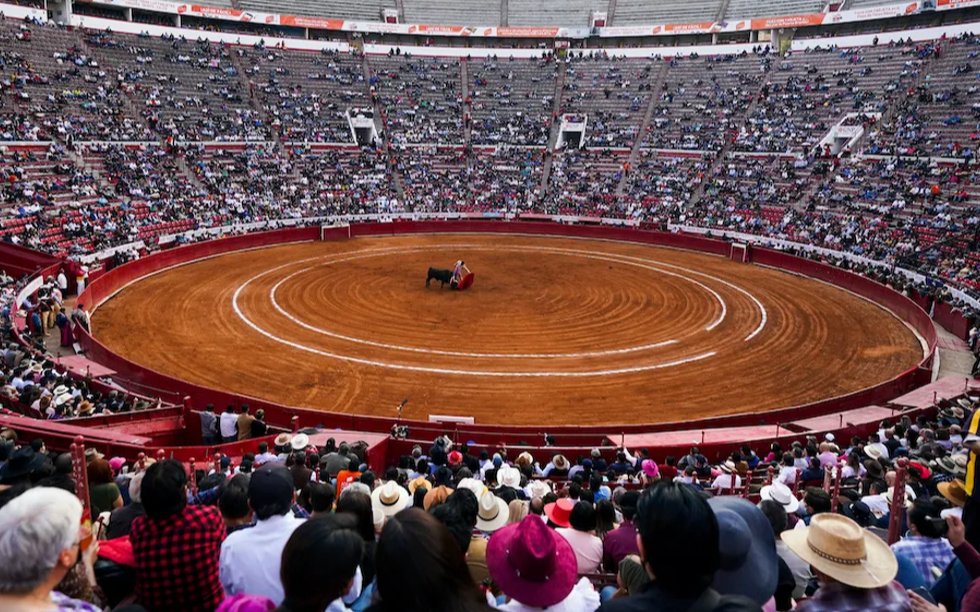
(970, 559)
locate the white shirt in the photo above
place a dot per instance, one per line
(262, 458)
(787, 475)
(878, 504)
(250, 559)
(228, 424)
(724, 481)
(62, 281)
(582, 598)
(587, 547)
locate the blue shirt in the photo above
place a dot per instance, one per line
(925, 553)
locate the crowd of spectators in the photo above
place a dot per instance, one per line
(290, 526)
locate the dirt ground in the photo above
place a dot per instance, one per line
(554, 330)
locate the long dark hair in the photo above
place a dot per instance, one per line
(359, 506)
(605, 515)
(420, 568)
(319, 561)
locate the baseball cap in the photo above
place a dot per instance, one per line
(270, 485)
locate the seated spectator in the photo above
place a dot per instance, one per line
(436, 579)
(587, 547)
(321, 497)
(621, 542)
(856, 569)
(233, 503)
(122, 518)
(40, 530)
(250, 558)
(336, 548)
(536, 569)
(925, 547)
(679, 546)
(176, 546)
(103, 493)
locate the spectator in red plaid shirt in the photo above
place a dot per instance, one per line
(176, 546)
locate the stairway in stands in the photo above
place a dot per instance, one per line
(555, 126)
(658, 83)
(382, 128)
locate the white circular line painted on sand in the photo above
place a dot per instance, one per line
(592, 254)
(572, 252)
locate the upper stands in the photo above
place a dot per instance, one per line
(460, 12)
(741, 9)
(361, 10)
(639, 12)
(573, 13)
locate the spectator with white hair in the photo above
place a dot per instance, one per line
(40, 543)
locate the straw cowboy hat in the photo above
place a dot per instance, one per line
(728, 467)
(493, 514)
(954, 491)
(390, 498)
(419, 481)
(560, 462)
(509, 477)
(299, 441)
(282, 439)
(436, 496)
(840, 548)
(782, 495)
(531, 563)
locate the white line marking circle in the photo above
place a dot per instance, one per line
(333, 260)
(543, 374)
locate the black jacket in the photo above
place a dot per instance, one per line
(655, 599)
(122, 518)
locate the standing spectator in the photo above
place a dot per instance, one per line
(259, 427)
(250, 558)
(856, 569)
(420, 568)
(176, 546)
(122, 519)
(243, 424)
(209, 426)
(621, 542)
(587, 547)
(679, 546)
(40, 544)
(228, 425)
(319, 564)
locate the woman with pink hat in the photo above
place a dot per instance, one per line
(536, 569)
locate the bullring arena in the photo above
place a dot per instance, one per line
(555, 331)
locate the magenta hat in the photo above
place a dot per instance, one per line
(650, 468)
(246, 603)
(116, 463)
(532, 563)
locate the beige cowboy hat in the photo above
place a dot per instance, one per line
(282, 439)
(390, 498)
(840, 548)
(419, 481)
(560, 462)
(493, 514)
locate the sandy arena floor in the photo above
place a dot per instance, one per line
(554, 330)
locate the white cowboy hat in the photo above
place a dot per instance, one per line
(838, 547)
(493, 513)
(62, 399)
(299, 441)
(872, 451)
(909, 496)
(509, 477)
(60, 390)
(390, 498)
(782, 495)
(728, 467)
(538, 488)
(473, 485)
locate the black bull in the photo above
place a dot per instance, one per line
(443, 276)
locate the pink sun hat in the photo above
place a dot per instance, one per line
(532, 563)
(650, 468)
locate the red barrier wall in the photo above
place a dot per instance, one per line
(279, 415)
